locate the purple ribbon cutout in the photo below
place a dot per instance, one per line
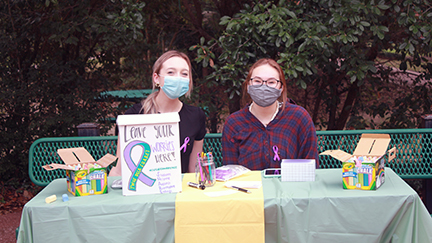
(186, 141)
(137, 168)
(275, 150)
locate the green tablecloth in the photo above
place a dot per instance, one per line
(322, 211)
(319, 211)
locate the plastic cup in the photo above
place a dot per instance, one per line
(205, 171)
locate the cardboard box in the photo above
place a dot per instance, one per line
(150, 153)
(364, 169)
(85, 176)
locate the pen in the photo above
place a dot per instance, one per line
(199, 186)
(241, 189)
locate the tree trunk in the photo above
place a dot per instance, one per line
(348, 106)
(234, 103)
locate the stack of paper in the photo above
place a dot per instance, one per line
(298, 170)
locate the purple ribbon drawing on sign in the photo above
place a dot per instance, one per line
(186, 141)
(136, 169)
(276, 156)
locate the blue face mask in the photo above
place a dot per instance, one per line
(175, 87)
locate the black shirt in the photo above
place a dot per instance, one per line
(192, 126)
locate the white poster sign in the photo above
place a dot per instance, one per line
(150, 153)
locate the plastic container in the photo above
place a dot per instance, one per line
(205, 170)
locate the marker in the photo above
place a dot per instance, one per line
(209, 157)
(199, 186)
(199, 163)
(241, 189)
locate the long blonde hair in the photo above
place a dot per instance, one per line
(149, 105)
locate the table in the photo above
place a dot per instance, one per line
(319, 211)
(322, 211)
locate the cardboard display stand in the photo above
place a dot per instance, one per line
(150, 153)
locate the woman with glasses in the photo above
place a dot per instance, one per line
(269, 128)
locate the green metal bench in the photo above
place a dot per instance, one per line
(44, 151)
(413, 149)
(413, 157)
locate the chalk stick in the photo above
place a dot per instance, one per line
(51, 199)
(65, 197)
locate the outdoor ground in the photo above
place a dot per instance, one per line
(8, 224)
(11, 202)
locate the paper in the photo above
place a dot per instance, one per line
(244, 184)
(298, 170)
(150, 153)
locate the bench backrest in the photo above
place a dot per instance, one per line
(413, 156)
(44, 151)
(413, 149)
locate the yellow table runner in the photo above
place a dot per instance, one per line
(237, 217)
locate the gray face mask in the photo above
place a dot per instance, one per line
(263, 95)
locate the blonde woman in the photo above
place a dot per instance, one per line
(172, 75)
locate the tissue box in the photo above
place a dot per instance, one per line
(298, 170)
(85, 176)
(364, 169)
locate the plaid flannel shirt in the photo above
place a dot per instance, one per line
(290, 135)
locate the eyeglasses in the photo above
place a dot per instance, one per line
(271, 82)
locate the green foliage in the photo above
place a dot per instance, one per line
(327, 48)
(55, 58)
(154, 27)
